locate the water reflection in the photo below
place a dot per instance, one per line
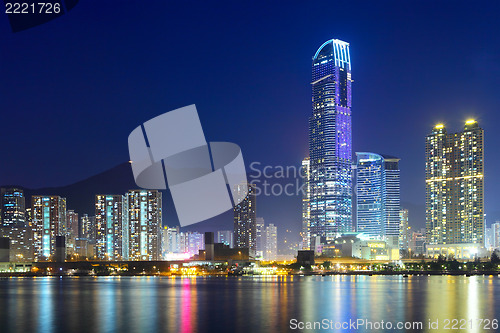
(46, 304)
(191, 304)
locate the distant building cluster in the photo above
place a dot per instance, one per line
(124, 227)
(179, 245)
(342, 196)
(349, 207)
(361, 199)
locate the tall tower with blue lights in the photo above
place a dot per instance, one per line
(330, 142)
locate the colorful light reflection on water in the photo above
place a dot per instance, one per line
(267, 303)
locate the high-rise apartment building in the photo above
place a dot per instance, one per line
(225, 237)
(417, 242)
(111, 227)
(330, 151)
(181, 245)
(370, 194)
(21, 242)
(377, 196)
(145, 220)
(49, 221)
(12, 208)
(245, 219)
(73, 224)
(306, 205)
(13, 224)
(87, 227)
(195, 242)
(488, 238)
(404, 230)
(454, 178)
(495, 234)
(271, 243)
(170, 241)
(393, 196)
(260, 237)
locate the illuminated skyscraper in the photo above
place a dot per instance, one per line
(306, 205)
(170, 241)
(145, 221)
(378, 196)
(73, 224)
(12, 207)
(111, 220)
(260, 237)
(49, 221)
(404, 230)
(330, 151)
(495, 230)
(370, 195)
(245, 232)
(271, 243)
(87, 227)
(454, 170)
(13, 224)
(393, 197)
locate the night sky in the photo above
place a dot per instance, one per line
(73, 89)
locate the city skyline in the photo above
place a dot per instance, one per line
(249, 166)
(327, 207)
(396, 74)
(123, 232)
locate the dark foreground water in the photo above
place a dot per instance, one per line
(248, 304)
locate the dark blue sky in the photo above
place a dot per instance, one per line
(74, 88)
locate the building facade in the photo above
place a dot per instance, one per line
(87, 227)
(260, 246)
(193, 242)
(12, 208)
(178, 245)
(111, 225)
(404, 230)
(145, 221)
(271, 243)
(225, 237)
(393, 196)
(73, 224)
(417, 242)
(306, 205)
(169, 241)
(495, 234)
(49, 221)
(245, 231)
(377, 196)
(370, 195)
(21, 243)
(330, 142)
(454, 177)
